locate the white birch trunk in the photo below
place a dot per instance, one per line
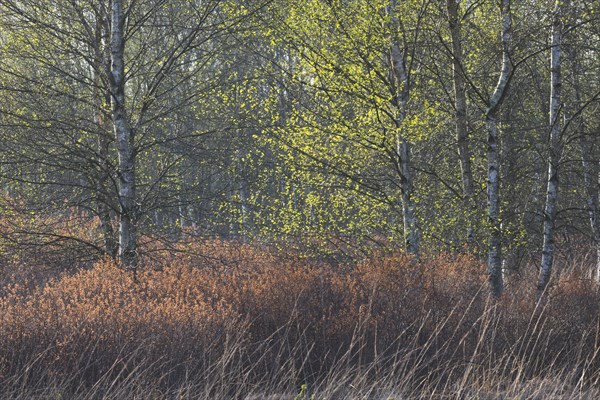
(555, 151)
(493, 193)
(244, 217)
(102, 187)
(411, 233)
(102, 98)
(493, 185)
(401, 88)
(460, 106)
(124, 140)
(244, 221)
(182, 208)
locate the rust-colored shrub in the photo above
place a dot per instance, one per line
(190, 310)
(86, 322)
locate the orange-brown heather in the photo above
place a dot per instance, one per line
(245, 315)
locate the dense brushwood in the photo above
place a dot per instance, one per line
(225, 307)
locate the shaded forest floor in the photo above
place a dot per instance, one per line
(241, 322)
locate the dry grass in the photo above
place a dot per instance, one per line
(242, 323)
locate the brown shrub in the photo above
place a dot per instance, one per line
(86, 322)
(222, 306)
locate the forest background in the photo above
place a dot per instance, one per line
(430, 152)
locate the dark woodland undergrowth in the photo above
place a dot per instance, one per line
(241, 322)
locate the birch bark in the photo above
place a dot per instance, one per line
(101, 99)
(555, 151)
(102, 184)
(493, 185)
(401, 90)
(460, 106)
(124, 137)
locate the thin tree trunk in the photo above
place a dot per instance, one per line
(411, 233)
(590, 184)
(591, 194)
(102, 98)
(182, 209)
(460, 105)
(102, 192)
(538, 161)
(401, 88)
(244, 222)
(244, 217)
(493, 193)
(124, 140)
(493, 185)
(555, 152)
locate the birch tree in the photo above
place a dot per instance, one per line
(460, 107)
(555, 148)
(116, 66)
(400, 88)
(354, 121)
(124, 137)
(578, 119)
(54, 78)
(493, 184)
(101, 100)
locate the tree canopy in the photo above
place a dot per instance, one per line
(339, 126)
